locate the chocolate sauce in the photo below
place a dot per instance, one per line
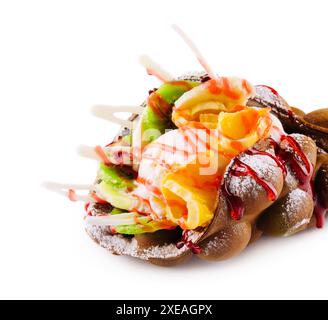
(152, 91)
(205, 78)
(291, 115)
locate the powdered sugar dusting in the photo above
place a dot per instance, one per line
(295, 200)
(216, 243)
(193, 76)
(291, 181)
(301, 139)
(122, 245)
(265, 167)
(116, 244)
(294, 204)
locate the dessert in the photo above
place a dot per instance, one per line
(205, 167)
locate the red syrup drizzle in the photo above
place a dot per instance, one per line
(188, 243)
(236, 205)
(275, 92)
(294, 156)
(299, 163)
(305, 176)
(319, 210)
(290, 113)
(276, 159)
(86, 208)
(302, 167)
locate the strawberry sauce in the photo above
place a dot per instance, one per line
(188, 243)
(287, 152)
(275, 92)
(320, 199)
(298, 161)
(236, 205)
(320, 212)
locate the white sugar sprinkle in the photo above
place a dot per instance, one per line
(122, 245)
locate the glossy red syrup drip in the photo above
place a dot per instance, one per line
(277, 160)
(320, 209)
(320, 213)
(244, 170)
(236, 205)
(289, 113)
(188, 243)
(302, 167)
(86, 207)
(299, 163)
(297, 149)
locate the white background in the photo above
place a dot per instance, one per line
(58, 58)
